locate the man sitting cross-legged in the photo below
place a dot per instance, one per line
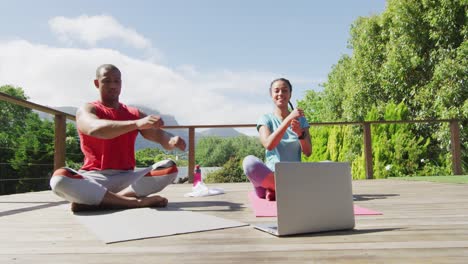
(108, 130)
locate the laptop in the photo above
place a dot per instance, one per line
(312, 197)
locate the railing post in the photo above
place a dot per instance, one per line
(191, 156)
(368, 150)
(455, 147)
(60, 137)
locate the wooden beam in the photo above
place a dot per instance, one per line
(368, 150)
(455, 147)
(11, 99)
(191, 156)
(60, 137)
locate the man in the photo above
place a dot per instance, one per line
(108, 130)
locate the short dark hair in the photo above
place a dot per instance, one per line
(106, 67)
(283, 80)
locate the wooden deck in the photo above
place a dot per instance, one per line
(422, 222)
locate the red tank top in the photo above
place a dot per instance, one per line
(116, 153)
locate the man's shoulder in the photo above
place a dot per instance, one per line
(131, 109)
(88, 106)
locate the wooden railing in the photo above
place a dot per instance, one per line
(60, 121)
(60, 130)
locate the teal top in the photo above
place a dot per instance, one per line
(289, 148)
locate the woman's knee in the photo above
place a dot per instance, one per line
(249, 163)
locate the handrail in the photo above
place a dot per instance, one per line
(60, 127)
(59, 121)
(323, 123)
(38, 107)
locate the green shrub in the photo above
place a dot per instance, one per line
(230, 172)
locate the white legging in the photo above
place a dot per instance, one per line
(89, 187)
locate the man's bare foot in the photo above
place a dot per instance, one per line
(77, 207)
(153, 201)
(149, 201)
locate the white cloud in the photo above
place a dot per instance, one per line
(57, 76)
(92, 29)
(64, 77)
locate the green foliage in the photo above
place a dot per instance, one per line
(16, 123)
(337, 143)
(396, 150)
(319, 138)
(11, 121)
(216, 151)
(228, 153)
(213, 151)
(314, 106)
(27, 146)
(358, 170)
(148, 156)
(34, 154)
(180, 162)
(230, 172)
(412, 58)
(74, 157)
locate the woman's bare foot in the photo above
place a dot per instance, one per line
(269, 181)
(270, 195)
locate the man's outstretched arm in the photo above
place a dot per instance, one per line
(89, 124)
(158, 135)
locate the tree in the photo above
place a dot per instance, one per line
(12, 123)
(27, 146)
(74, 157)
(230, 172)
(397, 151)
(213, 151)
(148, 156)
(216, 151)
(227, 153)
(34, 154)
(415, 54)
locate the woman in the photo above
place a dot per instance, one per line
(284, 134)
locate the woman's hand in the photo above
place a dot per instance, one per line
(295, 124)
(296, 127)
(296, 113)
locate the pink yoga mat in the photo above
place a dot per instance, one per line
(265, 208)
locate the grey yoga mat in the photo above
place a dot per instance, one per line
(132, 224)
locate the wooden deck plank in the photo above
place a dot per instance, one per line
(421, 222)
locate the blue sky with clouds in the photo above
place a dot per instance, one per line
(205, 62)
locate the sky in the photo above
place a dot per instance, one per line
(205, 62)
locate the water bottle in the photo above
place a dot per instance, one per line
(197, 175)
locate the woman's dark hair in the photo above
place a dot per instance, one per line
(286, 81)
(283, 80)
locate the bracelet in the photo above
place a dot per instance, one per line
(302, 136)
